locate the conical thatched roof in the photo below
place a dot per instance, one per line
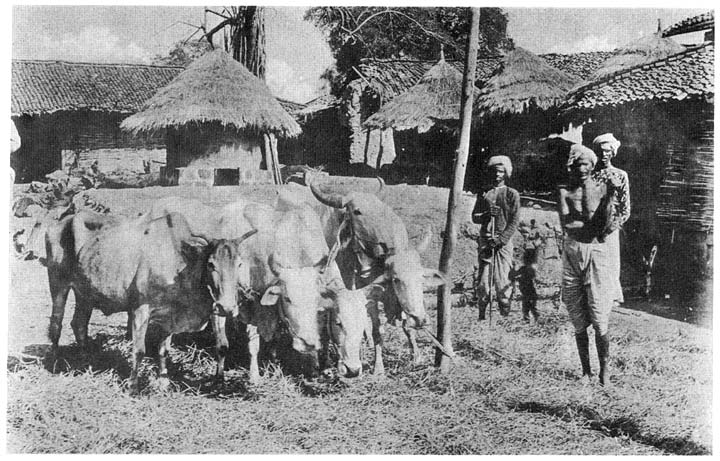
(214, 88)
(435, 98)
(524, 80)
(642, 51)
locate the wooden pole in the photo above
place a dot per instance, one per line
(444, 326)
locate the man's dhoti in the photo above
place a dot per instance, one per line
(589, 284)
(613, 243)
(501, 274)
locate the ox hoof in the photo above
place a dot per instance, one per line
(164, 384)
(134, 390)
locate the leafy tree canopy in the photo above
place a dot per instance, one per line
(183, 53)
(406, 32)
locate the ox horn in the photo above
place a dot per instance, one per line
(332, 200)
(247, 235)
(275, 267)
(382, 185)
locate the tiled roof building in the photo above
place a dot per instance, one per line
(40, 87)
(688, 74)
(695, 24)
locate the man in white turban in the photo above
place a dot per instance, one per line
(498, 213)
(588, 277)
(606, 147)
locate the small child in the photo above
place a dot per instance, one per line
(525, 276)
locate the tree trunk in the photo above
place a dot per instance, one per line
(248, 39)
(444, 322)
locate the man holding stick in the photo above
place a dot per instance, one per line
(498, 213)
(586, 208)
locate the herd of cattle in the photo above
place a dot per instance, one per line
(282, 268)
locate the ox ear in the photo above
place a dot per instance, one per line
(433, 278)
(383, 278)
(192, 249)
(326, 303)
(373, 291)
(320, 265)
(271, 296)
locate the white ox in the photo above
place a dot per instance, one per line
(374, 250)
(278, 273)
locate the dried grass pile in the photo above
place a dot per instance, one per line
(214, 88)
(434, 99)
(642, 51)
(522, 82)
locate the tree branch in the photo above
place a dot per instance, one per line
(219, 27)
(437, 36)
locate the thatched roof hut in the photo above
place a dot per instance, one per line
(524, 81)
(645, 50)
(217, 115)
(435, 98)
(214, 88)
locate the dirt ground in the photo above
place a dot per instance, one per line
(515, 393)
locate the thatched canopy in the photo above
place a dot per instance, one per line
(216, 89)
(435, 98)
(642, 51)
(524, 80)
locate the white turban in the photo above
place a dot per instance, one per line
(503, 160)
(578, 151)
(607, 138)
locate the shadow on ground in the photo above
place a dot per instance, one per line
(624, 426)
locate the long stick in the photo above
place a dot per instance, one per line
(444, 321)
(437, 344)
(491, 281)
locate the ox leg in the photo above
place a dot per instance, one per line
(59, 290)
(377, 339)
(221, 345)
(411, 334)
(253, 349)
(128, 332)
(81, 319)
(141, 319)
(163, 352)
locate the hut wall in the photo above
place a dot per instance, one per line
(537, 166)
(324, 142)
(210, 146)
(79, 138)
(423, 158)
(108, 160)
(39, 153)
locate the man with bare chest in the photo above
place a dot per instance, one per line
(588, 276)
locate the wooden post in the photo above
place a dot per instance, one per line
(444, 325)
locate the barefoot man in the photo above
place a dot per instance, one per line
(606, 148)
(498, 213)
(589, 283)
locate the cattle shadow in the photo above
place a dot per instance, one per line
(103, 353)
(191, 365)
(193, 368)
